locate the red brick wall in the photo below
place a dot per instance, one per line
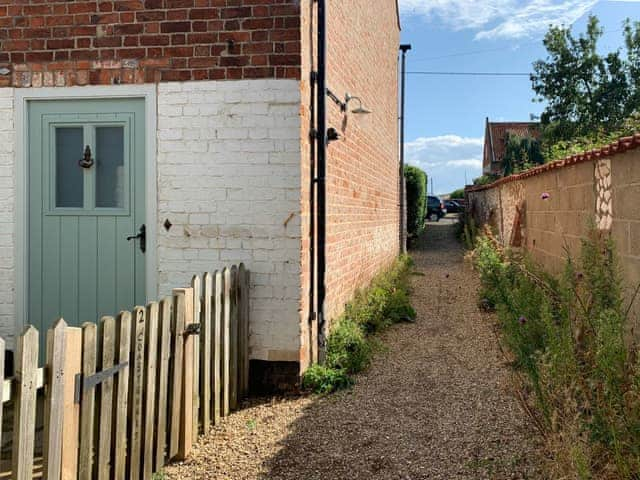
(362, 182)
(61, 42)
(362, 169)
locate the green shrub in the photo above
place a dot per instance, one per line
(567, 337)
(350, 345)
(457, 194)
(347, 347)
(416, 189)
(485, 179)
(322, 379)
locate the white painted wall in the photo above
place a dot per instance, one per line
(229, 182)
(7, 216)
(228, 166)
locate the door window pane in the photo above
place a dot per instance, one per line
(69, 175)
(110, 175)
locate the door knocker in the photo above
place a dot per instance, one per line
(86, 161)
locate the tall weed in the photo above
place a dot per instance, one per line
(569, 339)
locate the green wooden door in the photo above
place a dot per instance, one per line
(86, 197)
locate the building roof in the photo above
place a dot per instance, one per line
(497, 135)
(621, 145)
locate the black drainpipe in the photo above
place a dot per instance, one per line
(312, 209)
(321, 139)
(403, 245)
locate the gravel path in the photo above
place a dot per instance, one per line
(434, 405)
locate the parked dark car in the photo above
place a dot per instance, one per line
(453, 206)
(435, 208)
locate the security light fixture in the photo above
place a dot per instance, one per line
(359, 109)
(345, 105)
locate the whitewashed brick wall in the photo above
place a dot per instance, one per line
(7, 216)
(229, 182)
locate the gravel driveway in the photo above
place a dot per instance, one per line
(434, 405)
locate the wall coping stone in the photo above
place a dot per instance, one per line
(617, 147)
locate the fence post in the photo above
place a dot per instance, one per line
(226, 344)
(196, 287)
(25, 404)
(177, 361)
(107, 340)
(71, 409)
(163, 382)
(233, 340)
(136, 388)
(243, 329)
(122, 396)
(218, 345)
(54, 400)
(186, 417)
(205, 353)
(87, 405)
(150, 388)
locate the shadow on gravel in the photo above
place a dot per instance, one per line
(432, 406)
(377, 429)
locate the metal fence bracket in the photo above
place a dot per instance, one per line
(83, 384)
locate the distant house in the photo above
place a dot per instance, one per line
(495, 140)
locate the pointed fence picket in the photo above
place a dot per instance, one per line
(122, 397)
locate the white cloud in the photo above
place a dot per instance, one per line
(447, 159)
(499, 18)
(467, 162)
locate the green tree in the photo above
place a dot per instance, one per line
(521, 153)
(632, 43)
(459, 193)
(416, 182)
(584, 90)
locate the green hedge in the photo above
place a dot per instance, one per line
(416, 181)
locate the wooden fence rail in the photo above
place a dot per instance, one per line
(122, 397)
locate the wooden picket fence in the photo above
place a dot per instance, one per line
(121, 398)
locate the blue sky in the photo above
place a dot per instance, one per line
(445, 116)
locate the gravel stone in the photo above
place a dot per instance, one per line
(435, 404)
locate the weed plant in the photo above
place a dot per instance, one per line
(571, 347)
(351, 342)
(467, 230)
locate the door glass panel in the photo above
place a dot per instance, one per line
(110, 174)
(69, 175)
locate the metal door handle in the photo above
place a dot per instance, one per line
(86, 161)
(142, 235)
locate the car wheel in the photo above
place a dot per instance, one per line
(434, 217)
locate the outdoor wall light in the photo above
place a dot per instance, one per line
(344, 105)
(359, 110)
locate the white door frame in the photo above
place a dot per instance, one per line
(22, 96)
